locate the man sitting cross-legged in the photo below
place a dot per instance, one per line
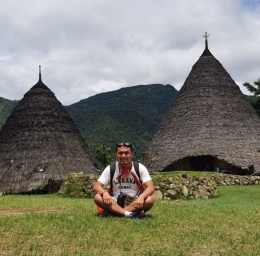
(125, 181)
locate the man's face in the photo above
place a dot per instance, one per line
(124, 156)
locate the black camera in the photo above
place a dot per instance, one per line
(121, 200)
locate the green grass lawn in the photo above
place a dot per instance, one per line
(53, 225)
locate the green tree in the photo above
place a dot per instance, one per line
(104, 156)
(255, 89)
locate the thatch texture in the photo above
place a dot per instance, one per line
(210, 123)
(39, 145)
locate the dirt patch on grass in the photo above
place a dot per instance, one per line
(7, 212)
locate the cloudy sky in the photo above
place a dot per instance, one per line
(86, 47)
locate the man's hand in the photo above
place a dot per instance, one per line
(107, 198)
(139, 202)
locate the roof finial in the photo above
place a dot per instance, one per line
(206, 51)
(40, 84)
(40, 75)
(206, 39)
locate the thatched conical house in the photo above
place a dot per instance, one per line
(39, 145)
(210, 125)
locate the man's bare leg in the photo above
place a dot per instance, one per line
(113, 207)
(148, 204)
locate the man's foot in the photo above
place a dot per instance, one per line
(107, 213)
(138, 214)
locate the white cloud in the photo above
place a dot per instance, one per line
(87, 47)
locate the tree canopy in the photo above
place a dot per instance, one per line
(104, 156)
(255, 90)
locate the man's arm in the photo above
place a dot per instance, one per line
(99, 189)
(149, 189)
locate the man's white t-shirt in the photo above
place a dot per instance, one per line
(125, 185)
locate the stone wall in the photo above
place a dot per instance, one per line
(78, 185)
(229, 179)
(183, 186)
(180, 186)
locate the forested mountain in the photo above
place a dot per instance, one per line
(128, 114)
(131, 113)
(6, 107)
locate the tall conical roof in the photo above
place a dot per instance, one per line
(40, 144)
(210, 121)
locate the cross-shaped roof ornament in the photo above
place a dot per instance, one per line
(206, 51)
(206, 36)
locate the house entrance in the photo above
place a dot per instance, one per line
(201, 163)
